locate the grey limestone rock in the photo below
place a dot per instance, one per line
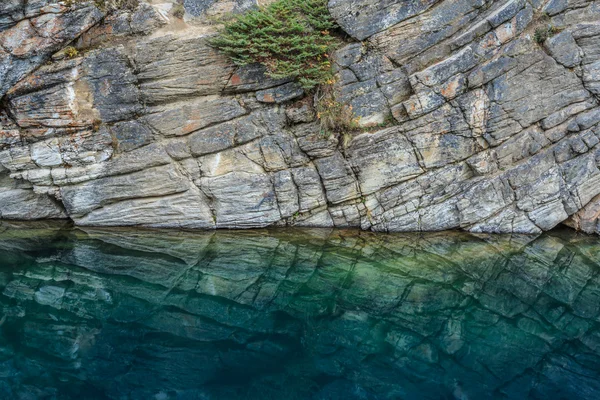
(30, 33)
(564, 49)
(197, 8)
(363, 18)
(467, 122)
(19, 201)
(280, 94)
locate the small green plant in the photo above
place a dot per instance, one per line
(178, 11)
(544, 29)
(291, 38)
(544, 32)
(336, 118)
(96, 124)
(540, 35)
(71, 52)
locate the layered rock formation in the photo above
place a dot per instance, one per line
(481, 115)
(171, 315)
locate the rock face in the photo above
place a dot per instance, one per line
(30, 31)
(474, 122)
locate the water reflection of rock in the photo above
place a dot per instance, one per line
(314, 313)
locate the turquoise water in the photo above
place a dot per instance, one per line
(297, 314)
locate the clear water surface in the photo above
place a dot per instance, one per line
(296, 314)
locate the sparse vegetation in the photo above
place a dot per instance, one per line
(71, 52)
(96, 124)
(544, 32)
(335, 117)
(291, 38)
(178, 11)
(544, 29)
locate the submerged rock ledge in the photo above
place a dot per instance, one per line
(489, 127)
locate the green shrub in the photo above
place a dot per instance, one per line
(544, 28)
(71, 52)
(540, 35)
(544, 32)
(291, 38)
(178, 11)
(335, 118)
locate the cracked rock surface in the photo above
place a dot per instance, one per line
(471, 123)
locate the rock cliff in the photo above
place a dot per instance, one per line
(482, 116)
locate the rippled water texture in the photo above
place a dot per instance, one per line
(297, 314)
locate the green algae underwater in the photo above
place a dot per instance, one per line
(296, 314)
